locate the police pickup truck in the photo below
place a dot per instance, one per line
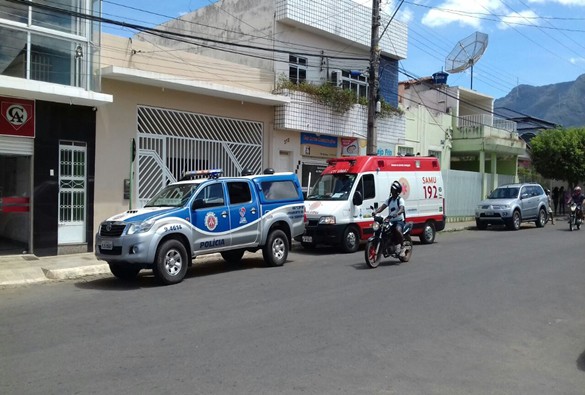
(198, 216)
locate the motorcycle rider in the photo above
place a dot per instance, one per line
(577, 197)
(396, 209)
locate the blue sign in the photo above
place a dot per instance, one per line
(324, 141)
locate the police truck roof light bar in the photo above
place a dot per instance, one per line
(212, 173)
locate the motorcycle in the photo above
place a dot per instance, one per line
(575, 216)
(382, 242)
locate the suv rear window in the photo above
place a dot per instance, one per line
(504, 193)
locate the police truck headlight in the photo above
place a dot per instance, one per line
(329, 220)
(140, 227)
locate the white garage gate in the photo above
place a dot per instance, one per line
(171, 142)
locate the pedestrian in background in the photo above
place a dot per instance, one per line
(550, 204)
(564, 199)
(555, 199)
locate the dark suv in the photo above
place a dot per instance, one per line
(513, 204)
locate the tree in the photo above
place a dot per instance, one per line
(560, 154)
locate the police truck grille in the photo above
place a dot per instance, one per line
(111, 230)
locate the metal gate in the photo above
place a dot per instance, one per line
(171, 142)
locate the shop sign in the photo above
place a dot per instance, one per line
(318, 145)
(352, 146)
(17, 117)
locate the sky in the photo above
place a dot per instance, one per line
(531, 42)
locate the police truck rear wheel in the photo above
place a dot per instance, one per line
(275, 251)
(171, 262)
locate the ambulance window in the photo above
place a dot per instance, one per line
(369, 186)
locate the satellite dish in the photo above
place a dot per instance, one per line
(466, 53)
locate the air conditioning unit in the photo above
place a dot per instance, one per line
(335, 77)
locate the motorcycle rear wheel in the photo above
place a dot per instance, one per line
(372, 254)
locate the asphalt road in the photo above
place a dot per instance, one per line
(478, 312)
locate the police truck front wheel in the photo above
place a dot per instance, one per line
(275, 250)
(171, 262)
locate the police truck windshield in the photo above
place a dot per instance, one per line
(332, 187)
(174, 195)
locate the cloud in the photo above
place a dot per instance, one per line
(518, 18)
(405, 16)
(462, 12)
(579, 3)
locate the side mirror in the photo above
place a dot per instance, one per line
(358, 198)
(198, 203)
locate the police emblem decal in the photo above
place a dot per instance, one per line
(210, 221)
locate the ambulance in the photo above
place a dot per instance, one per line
(338, 206)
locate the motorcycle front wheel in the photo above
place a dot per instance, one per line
(407, 246)
(372, 253)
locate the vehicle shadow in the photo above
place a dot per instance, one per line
(581, 362)
(146, 279)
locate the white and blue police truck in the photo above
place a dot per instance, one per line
(204, 213)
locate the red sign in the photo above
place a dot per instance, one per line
(17, 117)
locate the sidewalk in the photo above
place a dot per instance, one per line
(18, 270)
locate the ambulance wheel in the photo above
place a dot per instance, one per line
(124, 271)
(351, 239)
(429, 233)
(170, 265)
(275, 251)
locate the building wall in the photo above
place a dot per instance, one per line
(116, 127)
(57, 122)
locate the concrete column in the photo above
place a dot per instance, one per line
(494, 168)
(482, 172)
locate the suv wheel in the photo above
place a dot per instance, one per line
(541, 220)
(514, 222)
(480, 225)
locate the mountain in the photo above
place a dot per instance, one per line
(562, 103)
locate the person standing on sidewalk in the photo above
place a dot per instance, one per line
(550, 209)
(555, 198)
(563, 200)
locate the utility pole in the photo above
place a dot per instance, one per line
(373, 82)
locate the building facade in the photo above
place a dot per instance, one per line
(304, 42)
(49, 94)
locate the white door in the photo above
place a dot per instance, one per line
(285, 161)
(72, 192)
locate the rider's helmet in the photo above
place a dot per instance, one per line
(396, 187)
(547, 191)
(577, 189)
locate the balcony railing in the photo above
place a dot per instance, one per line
(479, 120)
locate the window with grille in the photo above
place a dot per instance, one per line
(357, 83)
(297, 69)
(436, 154)
(402, 150)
